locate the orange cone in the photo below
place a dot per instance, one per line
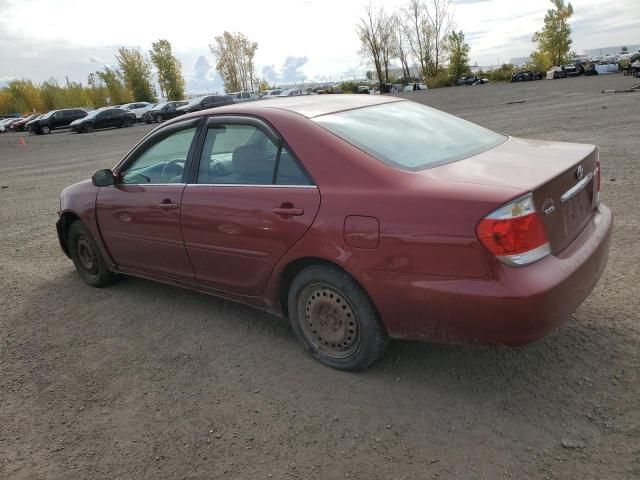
(22, 142)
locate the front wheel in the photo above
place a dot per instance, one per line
(335, 319)
(45, 130)
(88, 128)
(87, 258)
(159, 118)
(127, 122)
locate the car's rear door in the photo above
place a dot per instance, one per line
(246, 204)
(139, 217)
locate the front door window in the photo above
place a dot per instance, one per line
(163, 162)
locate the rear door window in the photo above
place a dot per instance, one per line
(237, 154)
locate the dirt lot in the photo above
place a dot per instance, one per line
(143, 380)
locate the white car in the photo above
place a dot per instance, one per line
(239, 97)
(412, 87)
(139, 108)
(291, 93)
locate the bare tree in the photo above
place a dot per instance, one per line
(441, 24)
(388, 48)
(419, 35)
(370, 31)
(401, 44)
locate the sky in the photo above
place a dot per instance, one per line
(297, 39)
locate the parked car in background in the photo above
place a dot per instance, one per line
(163, 111)
(55, 119)
(270, 94)
(6, 123)
(555, 73)
(292, 92)
(18, 125)
(104, 118)
(572, 70)
(138, 108)
(499, 258)
(525, 76)
(239, 97)
(471, 80)
(413, 87)
(204, 102)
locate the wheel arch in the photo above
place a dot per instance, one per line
(295, 266)
(66, 219)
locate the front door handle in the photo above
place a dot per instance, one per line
(168, 206)
(295, 212)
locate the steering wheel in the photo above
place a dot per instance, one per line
(177, 164)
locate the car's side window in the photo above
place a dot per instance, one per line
(244, 155)
(289, 172)
(163, 161)
(237, 154)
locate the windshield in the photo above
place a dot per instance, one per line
(197, 100)
(93, 113)
(160, 106)
(410, 136)
(48, 114)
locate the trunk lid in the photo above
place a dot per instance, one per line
(560, 176)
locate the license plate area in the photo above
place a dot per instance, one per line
(577, 211)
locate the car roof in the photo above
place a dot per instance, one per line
(312, 105)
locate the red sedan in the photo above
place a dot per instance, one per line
(358, 217)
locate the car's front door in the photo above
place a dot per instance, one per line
(139, 217)
(249, 203)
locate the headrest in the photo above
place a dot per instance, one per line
(251, 160)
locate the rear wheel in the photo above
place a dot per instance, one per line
(87, 258)
(127, 122)
(335, 319)
(45, 130)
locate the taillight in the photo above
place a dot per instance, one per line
(514, 233)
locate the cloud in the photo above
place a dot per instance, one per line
(270, 74)
(204, 78)
(291, 69)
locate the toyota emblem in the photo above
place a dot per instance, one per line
(579, 172)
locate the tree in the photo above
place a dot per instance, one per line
(169, 70)
(234, 54)
(401, 45)
(136, 72)
(370, 31)
(554, 40)
(459, 54)
(419, 35)
(441, 24)
(108, 84)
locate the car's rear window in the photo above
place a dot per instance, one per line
(409, 135)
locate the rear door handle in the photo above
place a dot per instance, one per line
(168, 206)
(296, 212)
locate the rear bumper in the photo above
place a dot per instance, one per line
(515, 307)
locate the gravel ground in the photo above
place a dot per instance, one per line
(143, 380)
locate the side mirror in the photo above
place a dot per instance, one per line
(103, 178)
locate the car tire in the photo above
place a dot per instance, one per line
(88, 128)
(127, 122)
(45, 130)
(335, 319)
(87, 258)
(158, 118)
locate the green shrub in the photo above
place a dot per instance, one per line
(442, 79)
